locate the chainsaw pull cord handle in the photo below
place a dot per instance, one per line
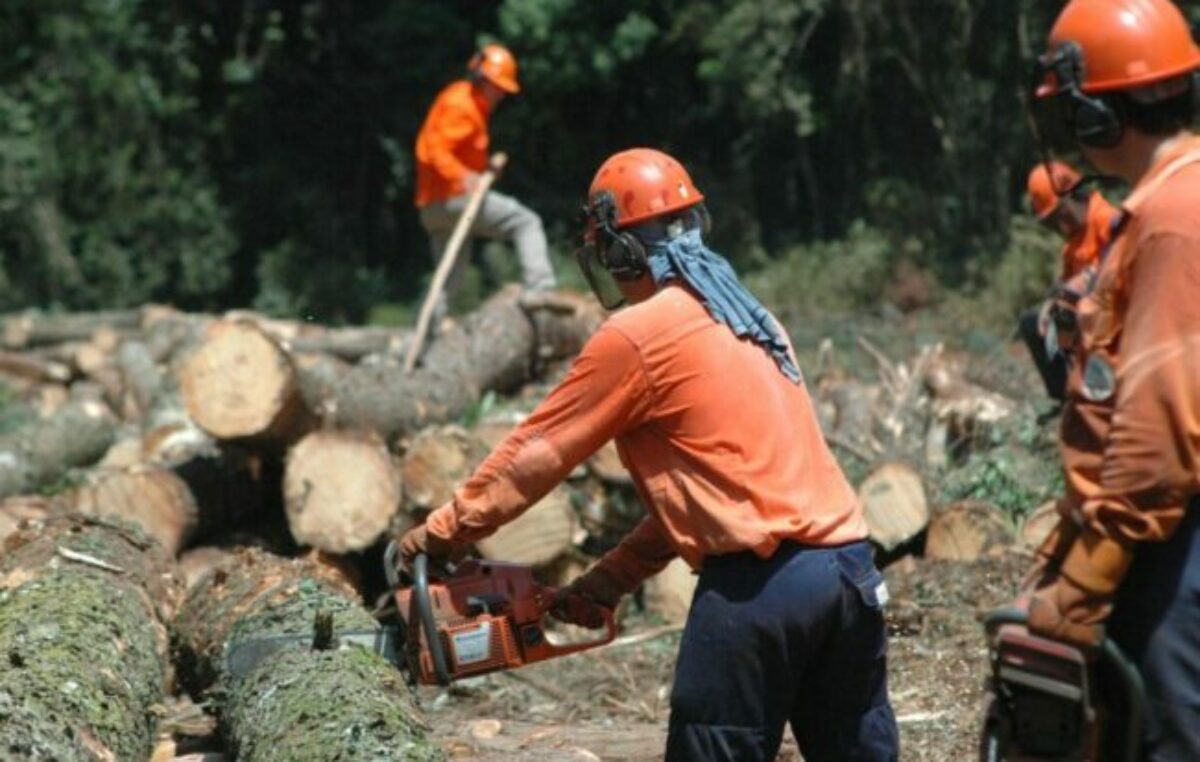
(428, 623)
(1129, 674)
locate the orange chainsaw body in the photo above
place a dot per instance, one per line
(487, 616)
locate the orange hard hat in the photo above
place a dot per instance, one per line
(496, 64)
(1047, 186)
(1125, 44)
(643, 183)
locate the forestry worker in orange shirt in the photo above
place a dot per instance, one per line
(452, 152)
(1124, 561)
(698, 385)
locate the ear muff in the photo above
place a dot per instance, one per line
(1095, 121)
(620, 252)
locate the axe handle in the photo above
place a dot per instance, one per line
(450, 256)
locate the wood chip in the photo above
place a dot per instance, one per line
(84, 558)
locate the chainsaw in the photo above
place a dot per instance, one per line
(484, 616)
(1044, 704)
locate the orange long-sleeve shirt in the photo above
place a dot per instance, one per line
(725, 451)
(452, 143)
(1131, 431)
(1085, 247)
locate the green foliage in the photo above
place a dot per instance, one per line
(260, 153)
(1009, 480)
(828, 276)
(105, 198)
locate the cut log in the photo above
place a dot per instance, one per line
(607, 466)
(1038, 524)
(318, 376)
(297, 702)
(966, 531)
(496, 348)
(894, 504)
(437, 460)
(239, 384)
(142, 381)
(152, 497)
(35, 328)
(668, 594)
(43, 450)
(341, 490)
(82, 606)
(538, 536)
(197, 563)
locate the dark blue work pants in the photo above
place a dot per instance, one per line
(1156, 621)
(798, 637)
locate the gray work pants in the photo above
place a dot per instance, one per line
(501, 218)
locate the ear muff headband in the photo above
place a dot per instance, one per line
(1094, 121)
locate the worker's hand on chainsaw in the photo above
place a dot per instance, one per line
(581, 601)
(420, 540)
(1074, 607)
(1048, 557)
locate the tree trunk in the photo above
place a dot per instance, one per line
(82, 603)
(497, 347)
(43, 450)
(239, 384)
(35, 328)
(341, 490)
(296, 703)
(894, 504)
(32, 368)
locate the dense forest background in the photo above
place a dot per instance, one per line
(214, 153)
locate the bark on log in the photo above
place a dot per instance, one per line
(297, 703)
(152, 497)
(82, 604)
(341, 490)
(35, 328)
(497, 347)
(966, 531)
(894, 504)
(239, 384)
(41, 451)
(33, 368)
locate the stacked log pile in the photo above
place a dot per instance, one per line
(271, 460)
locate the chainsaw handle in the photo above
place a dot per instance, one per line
(548, 650)
(1131, 678)
(428, 623)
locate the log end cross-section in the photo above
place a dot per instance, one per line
(240, 384)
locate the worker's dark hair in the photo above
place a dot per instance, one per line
(1165, 117)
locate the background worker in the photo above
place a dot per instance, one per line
(452, 153)
(698, 385)
(1084, 219)
(1125, 558)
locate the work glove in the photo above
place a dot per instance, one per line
(1074, 607)
(581, 601)
(1048, 558)
(419, 540)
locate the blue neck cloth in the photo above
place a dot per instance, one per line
(684, 257)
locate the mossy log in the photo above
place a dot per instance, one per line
(497, 347)
(82, 607)
(297, 702)
(43, 450)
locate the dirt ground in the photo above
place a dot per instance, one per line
(612, 703)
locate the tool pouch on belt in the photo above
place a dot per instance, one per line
(857, 566)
